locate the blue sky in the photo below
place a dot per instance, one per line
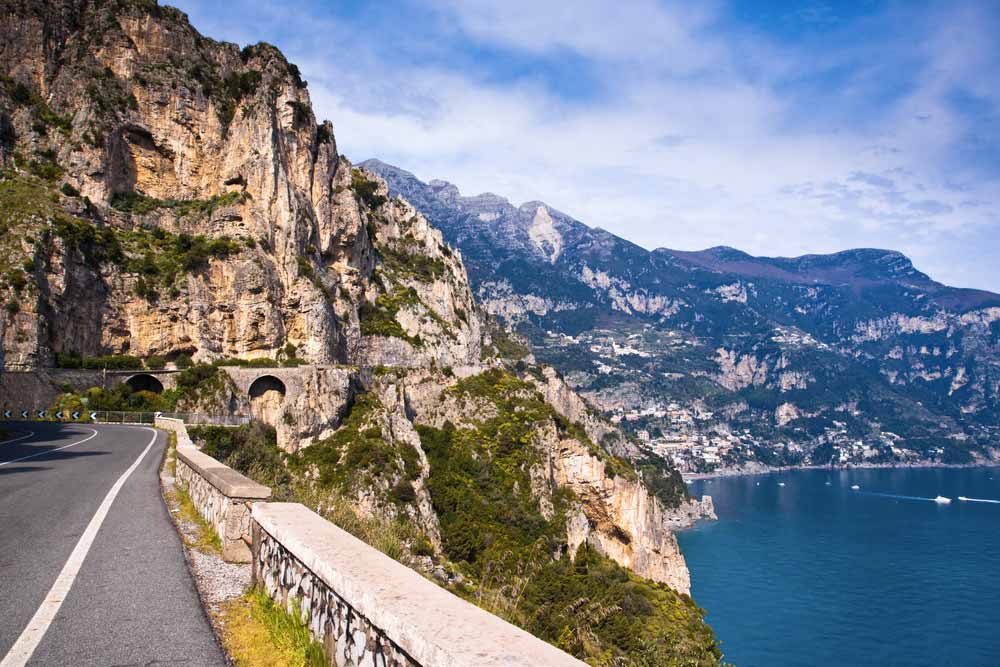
(777, 127)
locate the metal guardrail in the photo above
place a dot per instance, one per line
(192, 418)
(114, 417)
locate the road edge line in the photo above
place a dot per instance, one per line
(39, 624)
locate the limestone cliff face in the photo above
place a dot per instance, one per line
(614, 512)
(619, 516)
(622, 519)
(164, 131)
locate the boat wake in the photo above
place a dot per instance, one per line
(940, 499)
(978, 500)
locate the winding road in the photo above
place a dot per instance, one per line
(92, 571)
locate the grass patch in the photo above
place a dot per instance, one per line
(259, 633)
(206, 539)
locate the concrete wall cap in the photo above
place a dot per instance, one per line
(229, 482)
(433, 626)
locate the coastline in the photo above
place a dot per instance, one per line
(760, 469)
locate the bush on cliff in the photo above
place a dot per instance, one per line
(366, 190)
(251, 449)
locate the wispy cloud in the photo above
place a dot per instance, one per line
(683, 125)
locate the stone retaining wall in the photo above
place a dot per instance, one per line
(222, 496)
(371, 611)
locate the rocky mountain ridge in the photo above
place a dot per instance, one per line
(850, 357)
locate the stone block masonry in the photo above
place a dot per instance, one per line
(371, 611)
(221, 495)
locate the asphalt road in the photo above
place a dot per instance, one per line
(132, 600)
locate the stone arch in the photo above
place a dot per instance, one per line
(145, 382)
(266, 394)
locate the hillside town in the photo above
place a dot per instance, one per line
(693, 437)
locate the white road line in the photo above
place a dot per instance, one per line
(32, 635)
(7, 442)
(93, 434)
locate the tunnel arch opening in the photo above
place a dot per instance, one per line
(264, 384)
(266, 393)
(145, 382)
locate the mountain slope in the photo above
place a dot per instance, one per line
(855, 356)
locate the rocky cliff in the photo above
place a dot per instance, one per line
(175, 195)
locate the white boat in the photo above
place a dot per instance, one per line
(855, 487)
(962, 498)
(781, 483)
(941, 500)
(828, 483)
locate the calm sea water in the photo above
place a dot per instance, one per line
(815, 574)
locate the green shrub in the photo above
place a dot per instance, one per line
(109, 362)
(358, 453)
(663, 481)
(113, 362)
(97, 243)
(492, 525)
(15, 279)
(379, 318)
(69, 190)
(155, 362)
(68, 360)
(120, 398)
(257, 362)
(46, 169)
(251, 449)
(366, 190)
(411, 262)
(194, 375)
(134, 202)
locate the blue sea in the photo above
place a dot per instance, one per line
(816, 574)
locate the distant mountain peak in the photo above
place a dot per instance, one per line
(552, 233)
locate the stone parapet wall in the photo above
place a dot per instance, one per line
(222, 496)
(176, 426)
(371, 611)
